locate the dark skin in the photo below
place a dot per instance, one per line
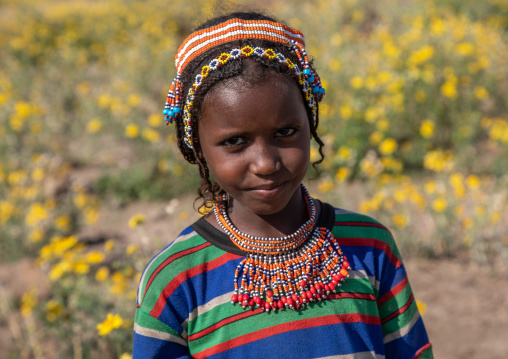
(256, 142)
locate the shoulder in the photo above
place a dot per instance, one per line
(186, 251)
(362, 232)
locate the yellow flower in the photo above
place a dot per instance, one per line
(94, 125)
(133, 100)
(356, 82)
(109, 245)
(155, 120)
(102, 274)
(131, 249)
(439, 204)
(345, 112)
(136, 220)
(421, 55)
(464, 49)
(438, 160)
(344, 153)
(400, 220)
(132, 130)
(427, 128)
(53, 310)
(95, 257)
(112, 322)
(36, 214)
(342, 174)
(449, 89)
(7, 210)
(325, 186)
(36, 235)
(480, 93)
(388, 146)
(62, 222)
(150, 135)
(375, 137)
(473, 181)
(28, 302)
(422, 307)
(38, 174)
(125, 356)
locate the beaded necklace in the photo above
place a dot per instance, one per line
(285, 272)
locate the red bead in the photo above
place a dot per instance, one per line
(327, 287)
(317, 286)
(234, 298)
(332, 287)
(251, 303)
(267, 306)
(304, 295)
(290, 302)
(284, 300)
(334, 282)
(345, 264)
(245, 298)
(269, 293)
(337, 277)
(313, 291)
(302, 284)
(280, 305)
(240, 297)
(295, 298)
(257, 299)
(309, 294)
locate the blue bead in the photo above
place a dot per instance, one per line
(306, 71)
(310, 79)
(315, 89)
(322, 90)
(176, 109)
(165, 111)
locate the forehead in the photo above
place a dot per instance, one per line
(238, 99)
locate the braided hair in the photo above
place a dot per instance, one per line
(251, 71)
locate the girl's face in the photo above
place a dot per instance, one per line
(256, 142)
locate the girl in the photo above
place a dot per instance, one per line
(271, 271)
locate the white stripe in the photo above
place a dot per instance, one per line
(362, 355)
(404, 330)
(225, 298)
(361, 274)
(152, 333)
(177, 240)
(241, 24)
(225, 36)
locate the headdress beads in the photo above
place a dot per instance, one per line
(234, 29)
(289, 271)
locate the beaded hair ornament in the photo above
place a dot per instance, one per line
(235, 29)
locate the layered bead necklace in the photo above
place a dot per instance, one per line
(285, 272)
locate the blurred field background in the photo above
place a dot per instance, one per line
(415, 120)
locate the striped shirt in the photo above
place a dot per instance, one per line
(184, 309)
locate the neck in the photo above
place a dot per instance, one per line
(278, 224)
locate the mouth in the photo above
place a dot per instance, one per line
(267, 188)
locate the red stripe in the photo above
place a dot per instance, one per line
(171, 259)
(362, 224)
(393, 292)
(287, 327)
(399, 311)
(371, 242)
(422, 350)
(246, 314)
(352, 295)
(223, 322)
(182, 277)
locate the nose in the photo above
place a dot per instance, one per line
(265, 160)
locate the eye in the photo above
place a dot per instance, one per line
(285, 132)
(233, 141)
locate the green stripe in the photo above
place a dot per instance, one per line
(175, 268)
(401, 320)
(396, 302)
(265, 320)
(147, 321)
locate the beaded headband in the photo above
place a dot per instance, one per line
(231, 30)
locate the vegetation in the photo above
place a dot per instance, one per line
(415, 121)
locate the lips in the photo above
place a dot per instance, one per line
(268, 187)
